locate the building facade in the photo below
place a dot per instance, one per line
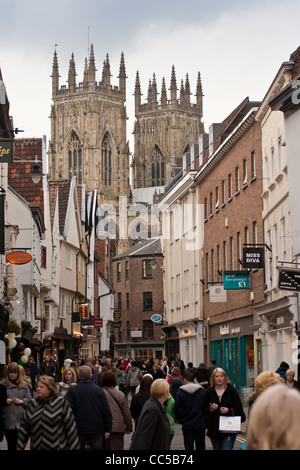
(230, 180)
(138, 314)
(88, 129)
(279, 315)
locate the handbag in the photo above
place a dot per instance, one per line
(230, 424)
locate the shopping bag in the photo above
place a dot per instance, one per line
(230, 423)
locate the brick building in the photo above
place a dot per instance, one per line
(230, 180)
(138, 285)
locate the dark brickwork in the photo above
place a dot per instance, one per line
(229, 221)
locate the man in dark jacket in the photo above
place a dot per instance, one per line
(91, 410)
(188, 411)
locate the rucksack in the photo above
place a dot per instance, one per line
(175, 385)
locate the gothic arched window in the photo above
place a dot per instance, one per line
(106, 161)
(75, 158)
(157, 167)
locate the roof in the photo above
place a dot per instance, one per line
(62, 188)
(145, 195)
(18, 171)
(231, 122)
(149, 247)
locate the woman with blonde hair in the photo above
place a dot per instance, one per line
(48, 420)
(262, 382)
(274, 420)
(69, 379)
(18, 396)
(221, 399)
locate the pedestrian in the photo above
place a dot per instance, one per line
(53, 360)
(141, 397)
(117, 374)
(202, 375)
(169, 407)
(126, 365)
(91, 410)
(133, 378)
(212, 367)
(32, 367)
(221, 399)
(47, 368)
(192, 369)
(97, 374)
(69, 379)
(188, 411)
(153, 428)
(18, 395)
(121, 417)
(179, 363)
(2, 404)
(165, 367)
(48, 420)
(156, 372)
(290, 379)
(175, 381)
(263, 380)
(274, 420)
(283, 367)
(107, 365)
(123, 384)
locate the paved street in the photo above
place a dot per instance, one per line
(177, 443)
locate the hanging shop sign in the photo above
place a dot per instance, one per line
(18, 257)
(289, 279)
(236, 279)
(84, 310)
(6, 150)
(98, 322)
(217, 294)
(156, 318)
(253, 257)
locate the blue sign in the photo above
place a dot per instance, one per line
(156, 318)
(236, 280)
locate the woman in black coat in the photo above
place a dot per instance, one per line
(221, 399)
(140, 398)
(153, 428)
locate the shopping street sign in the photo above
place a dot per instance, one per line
(6, 150)
(236, 279)
(289, 279)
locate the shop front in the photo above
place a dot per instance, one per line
(232, 345)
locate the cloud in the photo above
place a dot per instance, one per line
(237, 46)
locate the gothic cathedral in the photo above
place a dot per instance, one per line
(88, 130)
(164, 130)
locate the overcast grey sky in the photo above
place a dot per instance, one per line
(238, 46)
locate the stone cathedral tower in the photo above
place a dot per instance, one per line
(164, 130)
(88, 129)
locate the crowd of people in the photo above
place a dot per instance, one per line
(93, 403)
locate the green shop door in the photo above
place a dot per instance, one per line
(231, 361)
(216, 352)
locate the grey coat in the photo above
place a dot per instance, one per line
(153, 429)
(13, 413)
(132, 378)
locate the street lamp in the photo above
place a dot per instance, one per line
(36, 172)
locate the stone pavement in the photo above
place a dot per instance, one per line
(177, 442)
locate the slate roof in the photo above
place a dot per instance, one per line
(148, 247)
